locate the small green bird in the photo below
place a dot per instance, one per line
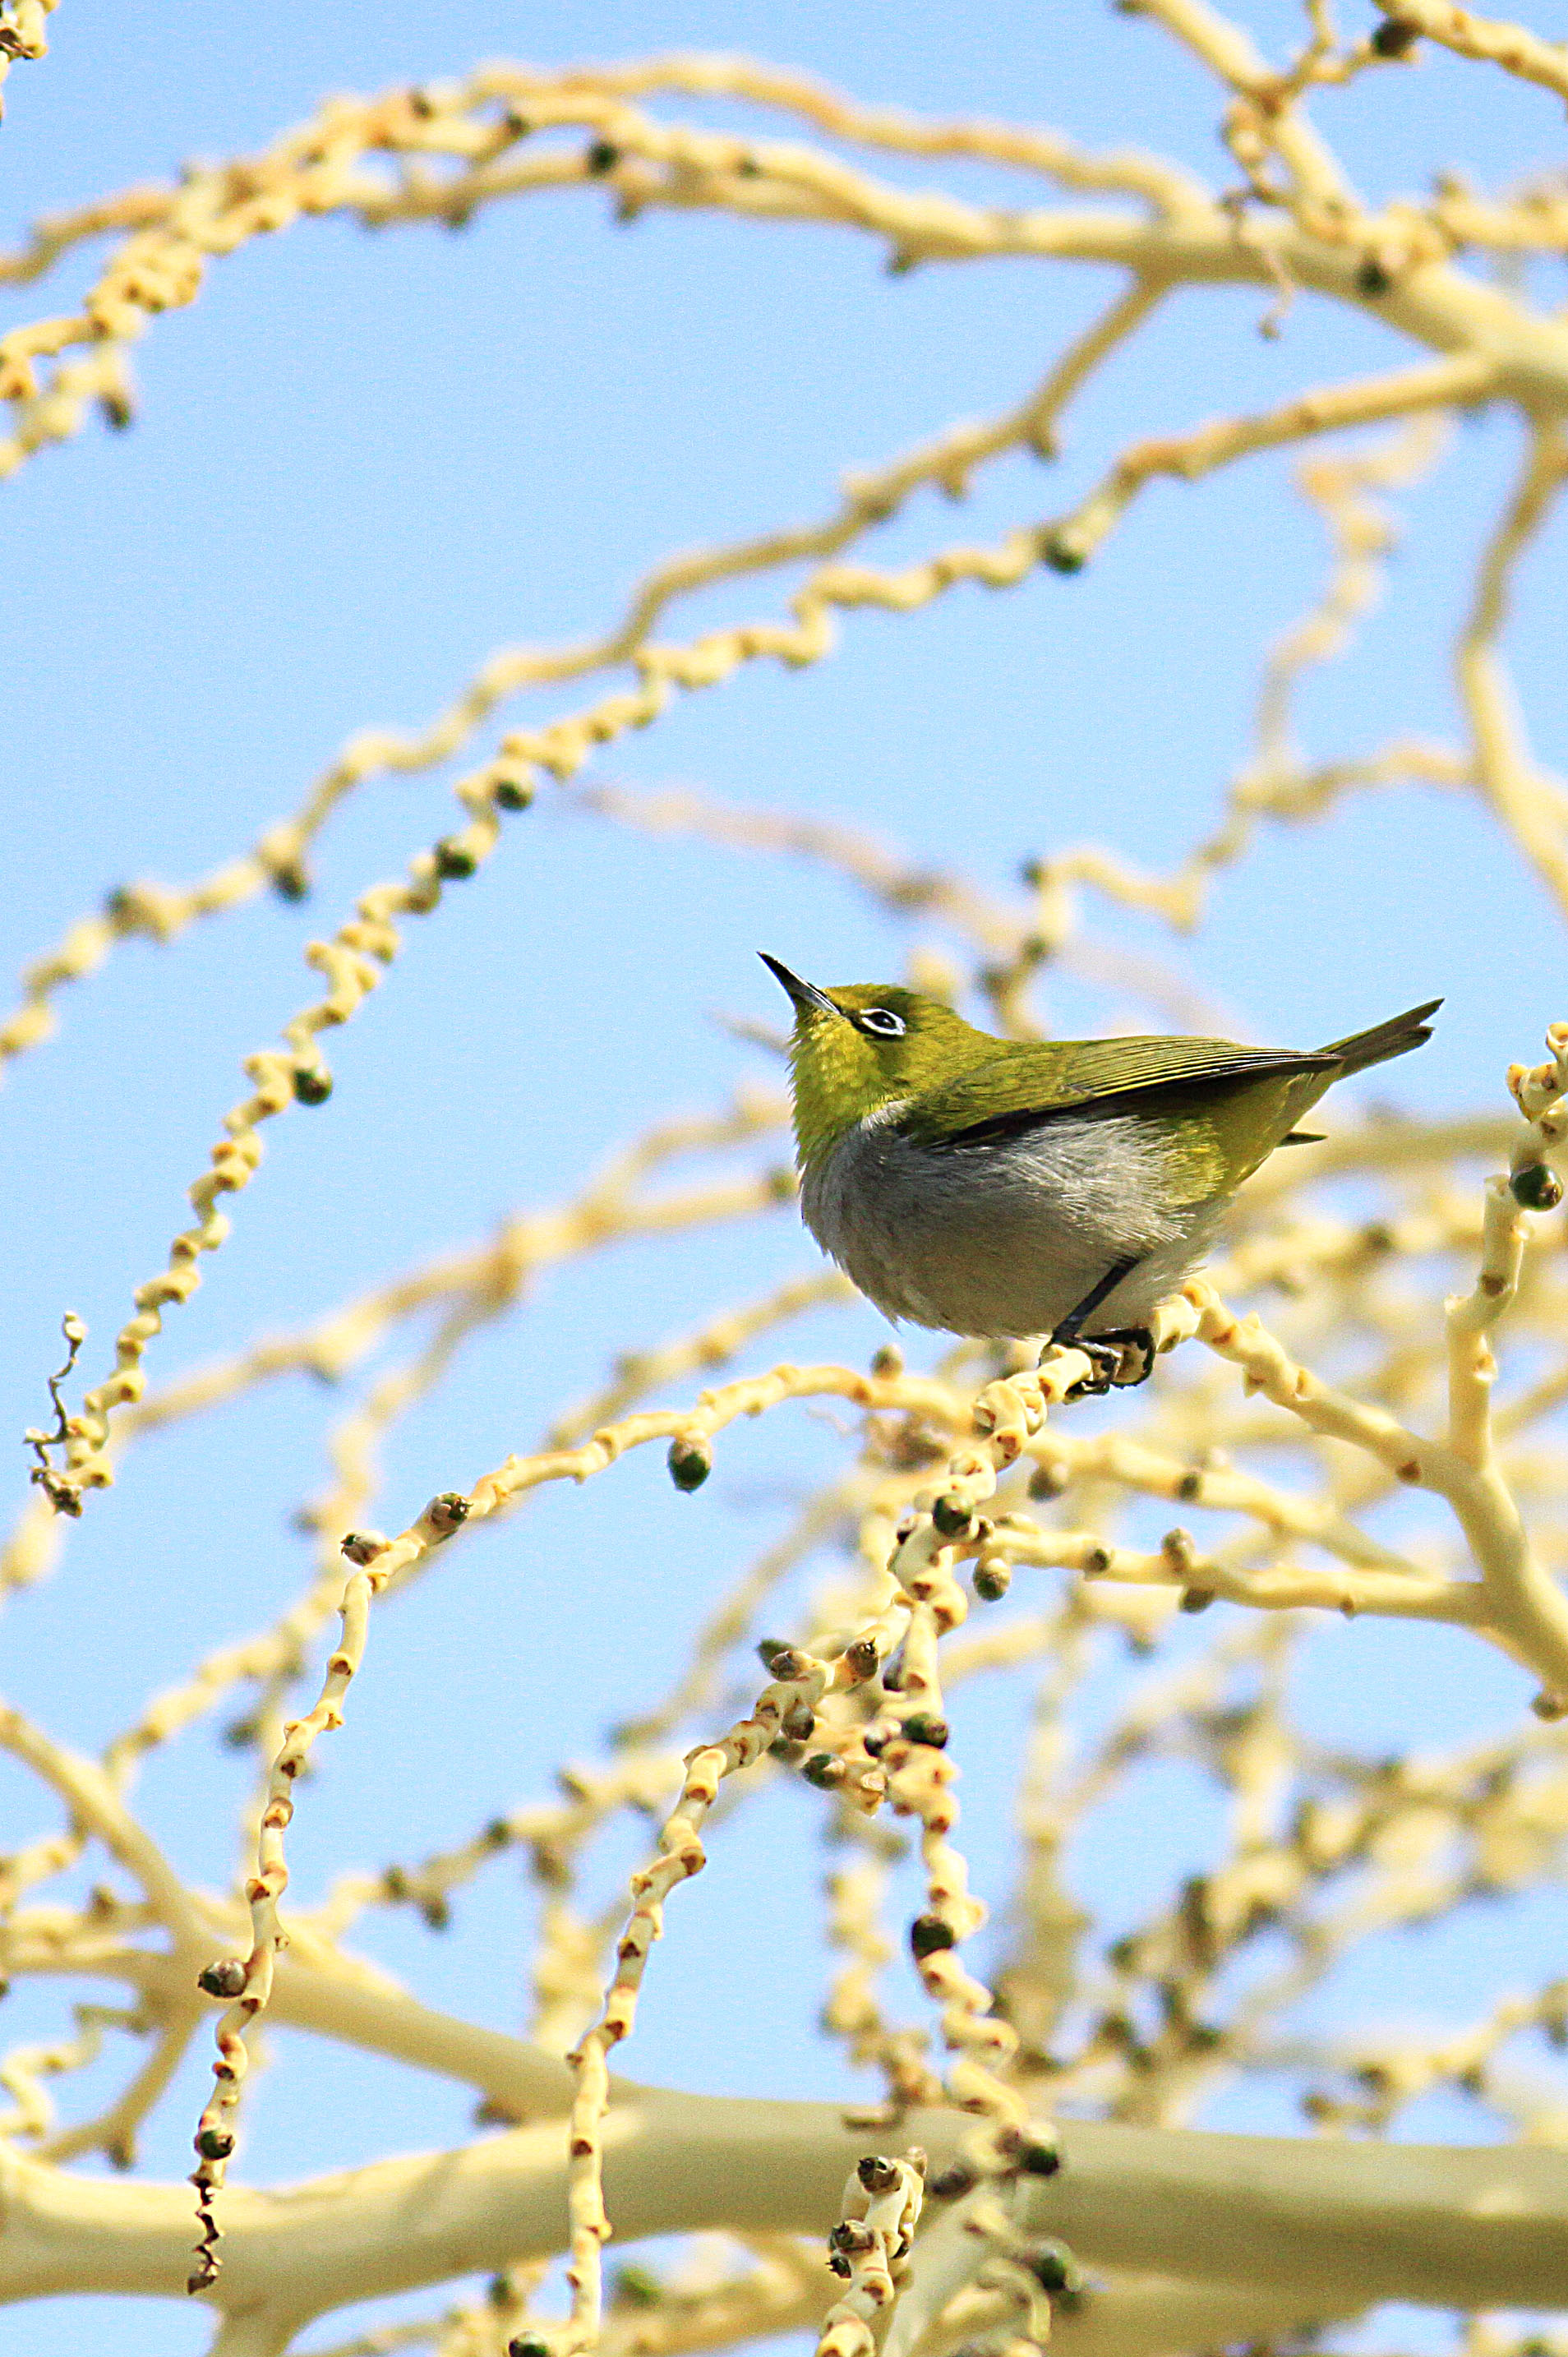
(994, 1187)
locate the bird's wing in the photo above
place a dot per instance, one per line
(1021, 1087)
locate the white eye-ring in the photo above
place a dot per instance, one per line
(881, 1022)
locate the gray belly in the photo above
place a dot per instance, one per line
(1007, 1238)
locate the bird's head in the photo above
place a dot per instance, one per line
(865, 1048)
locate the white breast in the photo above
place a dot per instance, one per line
(1007, 1237)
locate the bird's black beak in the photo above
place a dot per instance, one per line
(804, 993)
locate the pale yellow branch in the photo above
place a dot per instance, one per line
(91, 1797)
(1525, 1610)
(278, 858)
(1505, 765)
(1330, 2220)
(1228, 52)
(1438, 385)
(1517, 51)
(23, 32)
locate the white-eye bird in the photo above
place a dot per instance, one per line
(1058, 1187)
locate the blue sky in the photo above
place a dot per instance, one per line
(362, 463)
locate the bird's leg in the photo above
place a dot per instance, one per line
(1105, 1350)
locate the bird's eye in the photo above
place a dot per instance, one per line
(881, 1022)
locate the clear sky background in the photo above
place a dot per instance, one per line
(363, 463)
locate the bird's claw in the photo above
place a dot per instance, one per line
(1138, 1355)
(1109, 1355)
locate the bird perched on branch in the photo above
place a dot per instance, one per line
(1063, 1188)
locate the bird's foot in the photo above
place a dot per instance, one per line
(1120, 1360)
(1136, 1344)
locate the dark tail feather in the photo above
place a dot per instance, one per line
(1397, 1036)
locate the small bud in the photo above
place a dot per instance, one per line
(225, 1979)
(290, 881)
(635, 2287)
(1038, 2159)
(1535, 1189)
(800, 1722)
(861, 1657)
(877, 2175)
(1372, 277)
(887, 1363)
(924, 1727)
(454, 860)
(361, 1546)
(786, 1664)
(548, 1866)
(928, 1934)
(1548, 1706)
(312, 1086)
(770, 1650)
(215, 2144)
(993, 1578)
(690, 1462)
(602, 156)
(1196, 1600)
(824, 1771)
(1062, 553)
(1054, 2268)
(952, 1517)
(838, 2264)
(512, 794)
(948, 2183)
(527, 2344)
(851, 2235)
(1048, 1481)
(447, 1513)
(1394, 37)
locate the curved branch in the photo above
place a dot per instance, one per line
(1505, 766)
(1336, 2223)
(1489, 38)
(93, 1800)
(1439, 384)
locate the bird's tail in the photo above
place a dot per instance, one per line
(1397, 1036)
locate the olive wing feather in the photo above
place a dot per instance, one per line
(1022, 1087)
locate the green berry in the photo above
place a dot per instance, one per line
(690, 1463)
